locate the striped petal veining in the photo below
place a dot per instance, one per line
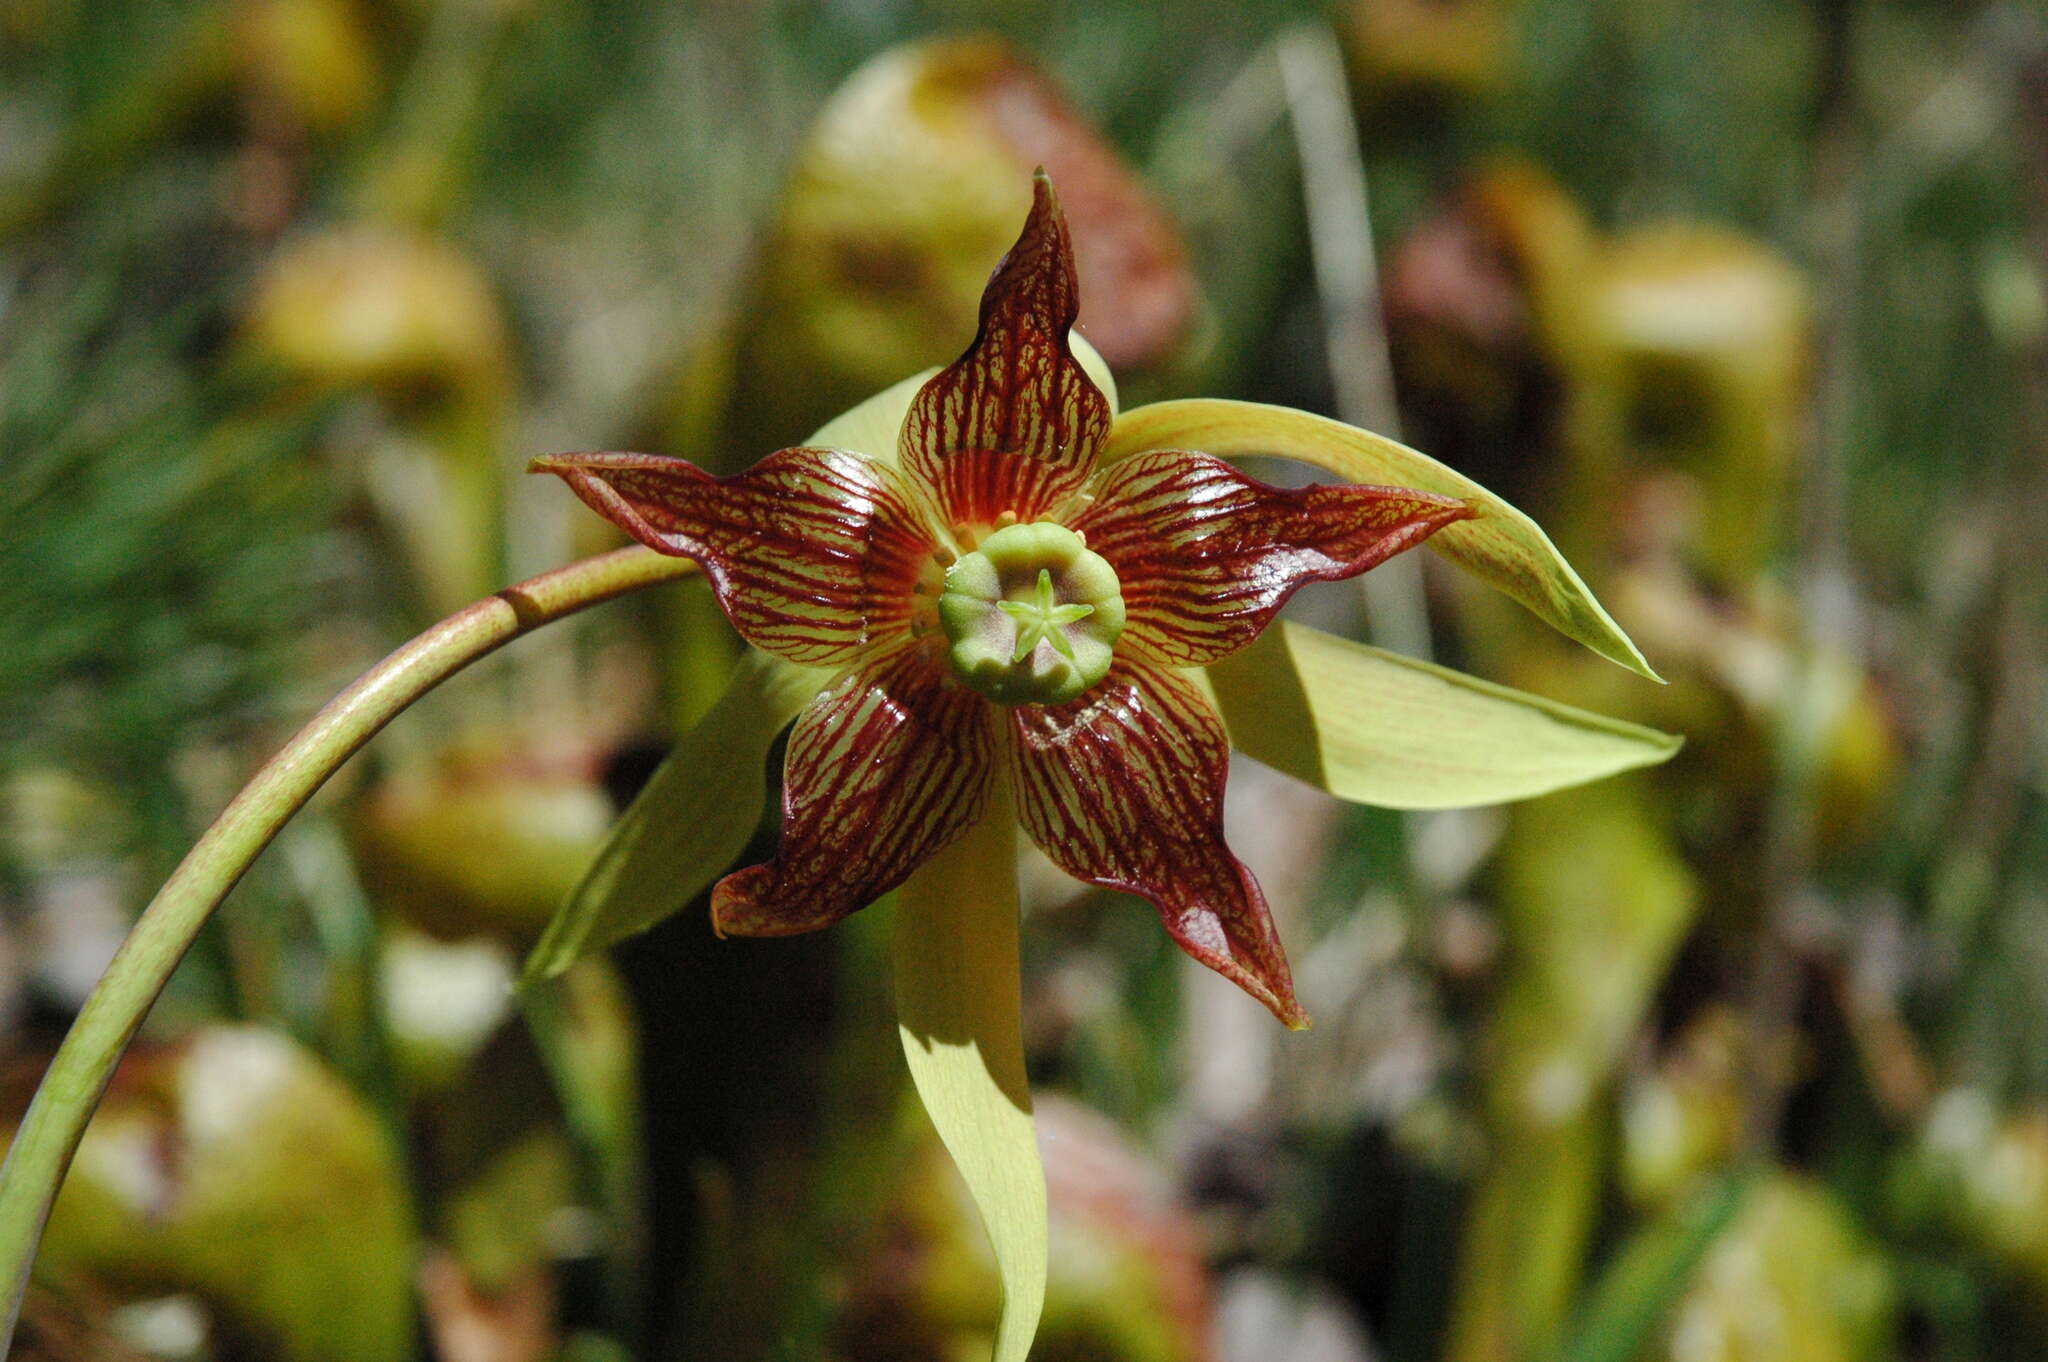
(887, 765)
(1014, 424)
(1123, 788)
(813, 552)
(1207, 555)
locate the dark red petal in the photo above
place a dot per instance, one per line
(1207, 556)
(1123, 788)
(813, 552)
(1015, 423)
(887, 765)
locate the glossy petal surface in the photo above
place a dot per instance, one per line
(1123, 788)
(813, 552)
(1207, 555)
(885, 767)
(1013, 424)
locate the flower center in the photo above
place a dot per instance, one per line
(1032, 615)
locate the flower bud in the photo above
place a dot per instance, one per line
(311, 60)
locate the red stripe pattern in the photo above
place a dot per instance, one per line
(813, 552)
(886, 766)
(1207, 556)
(818, 556)
(1015, 423)
(1123, 788)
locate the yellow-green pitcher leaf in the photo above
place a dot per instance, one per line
(691, 820)
(960, 1014)
(1502, 546)
(1379, 728)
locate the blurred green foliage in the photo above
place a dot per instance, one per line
(1625, 1073)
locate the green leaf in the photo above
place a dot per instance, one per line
(582, 1025)
(1380, 728)
(693, 818)
(959, 1011)
(1502, 546)
(1651, 1271)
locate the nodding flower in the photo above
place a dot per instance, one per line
(1000, 606)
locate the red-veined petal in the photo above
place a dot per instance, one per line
(887, 765)
(1014, 424)
(1207, 556)
(1123, 788)
(813, 552)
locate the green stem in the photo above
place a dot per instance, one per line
(71, 1088)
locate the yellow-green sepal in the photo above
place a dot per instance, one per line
(1378, 728)
(1096, 365)
(959, 1011)
(872, 428)
(1501, 546)
(694, 816)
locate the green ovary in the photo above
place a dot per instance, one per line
(1032, 615)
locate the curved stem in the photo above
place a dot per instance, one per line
(71, 1088)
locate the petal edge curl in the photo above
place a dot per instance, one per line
(813, 552)
(1123, 788)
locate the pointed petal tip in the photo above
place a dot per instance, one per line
(1208, 554)
(1016, 422)
(561, 465)
(1045, 198)
(1502, 546)
(1275, 995)
(885, 766)
(742, 904)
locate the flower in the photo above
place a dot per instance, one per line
(1008, 621)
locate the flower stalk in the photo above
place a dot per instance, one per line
(71, 1088)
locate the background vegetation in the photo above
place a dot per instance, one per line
(1748, 303)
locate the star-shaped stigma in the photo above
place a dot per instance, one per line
(1042, 619)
